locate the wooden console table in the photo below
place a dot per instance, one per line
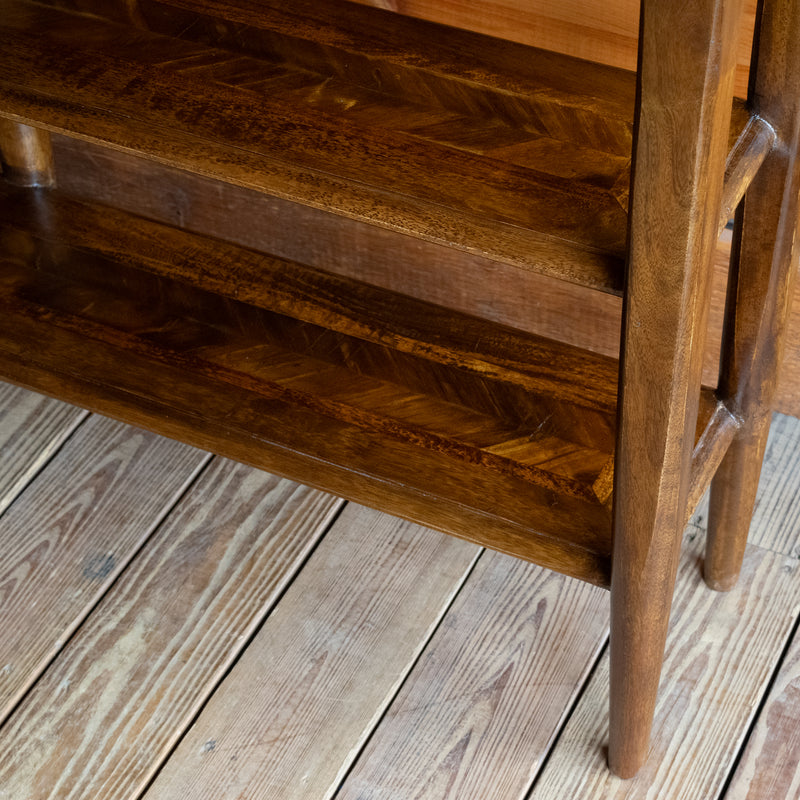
(225, 221)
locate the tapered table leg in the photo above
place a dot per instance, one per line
(686, 88)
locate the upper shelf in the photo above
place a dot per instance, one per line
(516, 153)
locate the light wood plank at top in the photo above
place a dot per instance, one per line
(770, 766)
(308, 691)
(479, 712)
(145, 660)
(721, 651)
(71, 535)
(32, 428)
(598, 31)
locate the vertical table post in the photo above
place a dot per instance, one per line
(687, 64)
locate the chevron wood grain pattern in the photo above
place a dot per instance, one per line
(209, 127)
(468, 722)
(368, 599)
(602, 32)
(721, 652)
(434, 417)
(49, 223)
(519, 298)
(490, 420)
(152, 651)
(442, 275)
(484, 158)
(59, 556)
(236, 438)
(474, 414)
(32, 428)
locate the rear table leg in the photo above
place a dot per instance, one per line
(762, 277)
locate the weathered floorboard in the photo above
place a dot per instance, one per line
(712, 682)
(32, 428)
(776, 519)
(82, 519)
(720, 654)
(770, 766)
(306, 694)
(481, 709)
(145, 660)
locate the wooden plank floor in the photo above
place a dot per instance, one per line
(178, 626)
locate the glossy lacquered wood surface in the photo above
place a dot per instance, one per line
(26, 154)
(487, 146)
(350, 407)
(519, 298)
(518, 157)
(489, 422)
(686, 86)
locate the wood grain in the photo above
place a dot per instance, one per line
(605, 32)
(81, 522)
(349, 398)
(153, 650)
(438, 274)
(445, 136)
(720, 655)
(480, 710)
(434, 273)
(32, 429)
(507, 127)
(364, 605)
(744, 161)
(686, 87)
(26, 155)
(55, 228)
(763, 272)
(488, 417)
(422, 182)
(776, 518)
(519, 298)
(430, 66)
(770, 765)
(709, 450)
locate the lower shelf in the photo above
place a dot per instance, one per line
(477, 430)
